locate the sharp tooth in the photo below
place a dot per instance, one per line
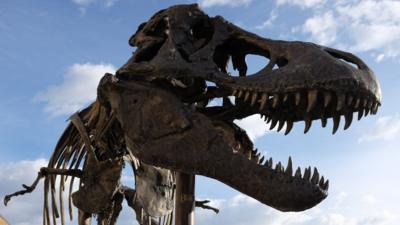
(275, 101)
(360, 114)
(315, 177)
(281, 123)
(289, 168)
(327, 98)
(178, 83)
(249, 154)
(326, 185)
(324, 121)
(336, 122)
(341, 98)
(374, 108)
(234, 92)
(298, 172)
(364, 103)
(264, 98)
(257, 158)
(308, 122)
(279, 168)
(246, 96)
(261, 160)
(348, 119)
(366, 112)
(289, 126)
(297, 98)
(269, 119)
(261, 116)
(266, 118)
(322, 181)
(357, 104)
(253, 98)
(307, 173)
(273, 123)
(269, 163)
(240, 94)
(370, 103)
(349, 100)
(285, 97)
(312, 99)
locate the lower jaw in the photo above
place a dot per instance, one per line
(201, 151)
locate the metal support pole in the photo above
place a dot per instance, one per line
(185, 199)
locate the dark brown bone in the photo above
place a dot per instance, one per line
(156, 106)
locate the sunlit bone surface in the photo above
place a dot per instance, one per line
(155, 110)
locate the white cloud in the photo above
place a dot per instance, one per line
(386, 128)
(323, 28)
(84, 4)
(269, 22)
(337, 209)
(360, 26)
(231, 3)
(301, 3)
(78, 88)
(254, 126)
(242, 210)
(27, 209)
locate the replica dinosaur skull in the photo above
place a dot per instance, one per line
(159, 98)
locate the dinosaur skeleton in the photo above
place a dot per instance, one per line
(154, 114)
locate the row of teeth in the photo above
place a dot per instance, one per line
(362, 105)
(314, 178)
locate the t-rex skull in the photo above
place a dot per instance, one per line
(159, 97)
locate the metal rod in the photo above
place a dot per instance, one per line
(185, 199)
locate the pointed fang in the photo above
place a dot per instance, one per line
(348, 119)
(240, 94)
(307, 173)
(297, 98)
(315, 177)
(246, 96)
(289, 169)
(264, 98)
(341, 98)
(327, 98)
(253, 98)
(312, 99)
(281, 123)
(298, 172)
(275, 101)
(289, 126)
(234, 92)
(308, 123)
(336, 122)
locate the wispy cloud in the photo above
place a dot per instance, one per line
(385, 129)
(359, 26)
(301, 3)
(23, 209)
(231, 3)
(78, 88)
(84, 4)
(240, 210)
(269, 22)
(322, 28)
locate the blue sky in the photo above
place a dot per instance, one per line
(52, 54)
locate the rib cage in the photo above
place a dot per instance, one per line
(71, 152)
